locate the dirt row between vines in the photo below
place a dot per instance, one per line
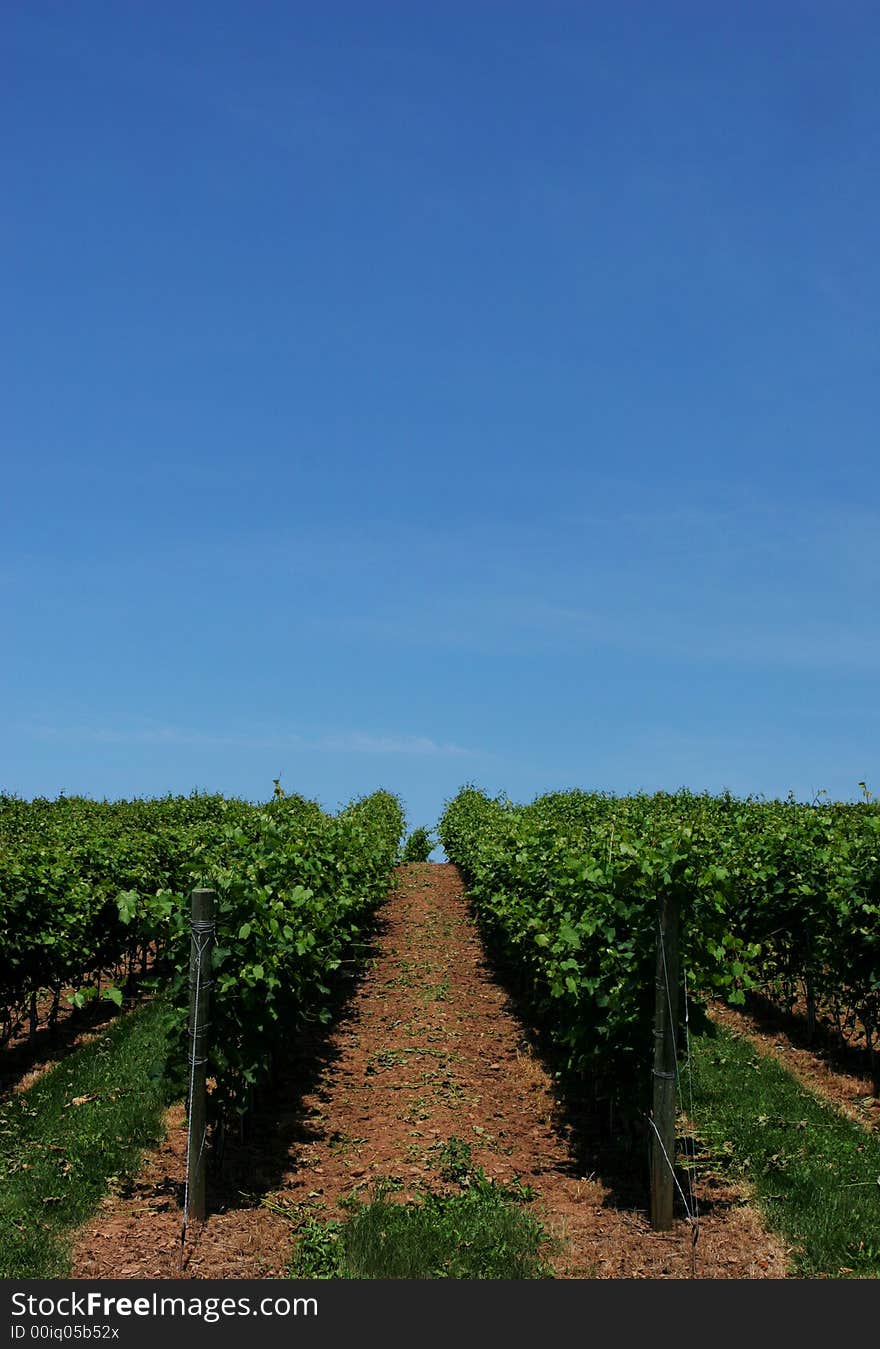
(427, 1050)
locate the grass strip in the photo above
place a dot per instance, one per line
(79, 1130)
(479, 1231)
(474, 1235)
(815, 1174)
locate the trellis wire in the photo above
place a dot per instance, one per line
(202, 932)
(692, 1207)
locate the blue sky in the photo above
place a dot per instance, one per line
(409, 394)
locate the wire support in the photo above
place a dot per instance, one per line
(202, 934)
(691, 1206)
(691, 1113)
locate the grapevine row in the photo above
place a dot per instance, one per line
(88, 887)
(772, 895)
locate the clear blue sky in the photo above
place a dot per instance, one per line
(408, 394)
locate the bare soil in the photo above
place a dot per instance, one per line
(427, 1049)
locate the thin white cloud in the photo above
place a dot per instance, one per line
(359, 742)
(812, 645)
(154, 735)
(341, 742)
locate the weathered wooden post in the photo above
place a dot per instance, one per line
(201, 946)
(665, 1066)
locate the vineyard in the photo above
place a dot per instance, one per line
(94, 893)
(776, 896)
(773, 899)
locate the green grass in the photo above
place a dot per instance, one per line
(76, 1132)
(481, 1231)
(815, 1174)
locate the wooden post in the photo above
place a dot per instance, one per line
(201, 946)
(666, 995)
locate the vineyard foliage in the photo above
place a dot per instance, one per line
(71, 874)
(777, 896)
(91, 891)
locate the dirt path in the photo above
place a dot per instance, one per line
(428, 1050)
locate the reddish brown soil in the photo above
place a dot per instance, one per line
(428, 1049)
